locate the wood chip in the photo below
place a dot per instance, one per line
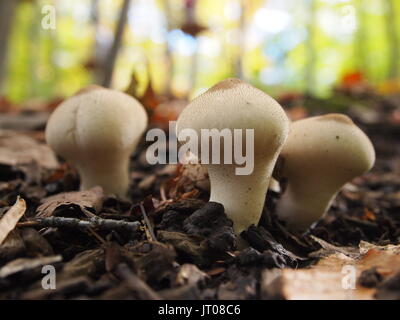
(11, 218)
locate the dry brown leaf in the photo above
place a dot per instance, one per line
(190, 274)
(87, 199)
(168, 111)
(325, 279)
(19, 149)
(23, 120)
(25, 264)
(11, 218)
(316, 284)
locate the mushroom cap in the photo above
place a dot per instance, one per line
(234, 104)
(98, 122)
(325, 152)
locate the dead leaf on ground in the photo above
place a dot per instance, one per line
(190, 274)
(24, 120)
(11, 218)
(25, 264)
(19, 149)
(328, 249)
(87, 201)
(330, 278)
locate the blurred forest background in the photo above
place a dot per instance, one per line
(182, 47)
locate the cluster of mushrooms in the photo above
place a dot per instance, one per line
(98, 129)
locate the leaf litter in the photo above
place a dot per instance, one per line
(167, 242)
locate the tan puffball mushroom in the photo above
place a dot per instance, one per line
(233, 104)
(321, 155)
(97, 130)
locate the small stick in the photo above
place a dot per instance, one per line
(94, 222)
(136, 284)
(147, 222)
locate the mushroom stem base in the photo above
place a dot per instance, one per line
(113, 179)
(300, 210)
(243, 197)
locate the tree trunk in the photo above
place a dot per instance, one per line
(309, 70)
(393, 39)
(7, 11)
(360, 48)
(109, 67)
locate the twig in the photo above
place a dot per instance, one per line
(136, 284)
(97, 236)
(147, 222)
(109, 67)
(94, 222)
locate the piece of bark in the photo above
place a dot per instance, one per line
(136, 284)
(12, 247)
(35, 244)
(157, 264)
(89, 262)
(243, 287)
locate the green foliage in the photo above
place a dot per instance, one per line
(49, 63)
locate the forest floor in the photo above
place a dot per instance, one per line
(166, 242)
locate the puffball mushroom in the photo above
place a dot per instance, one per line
(321, 155)
(97, 130)
(233, 104)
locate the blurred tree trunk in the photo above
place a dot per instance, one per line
(393, 39)
(361, 40)
(168, 53)
(99, 54)
(7, 12)
(311, 56)
(241, 41)
(109, 67)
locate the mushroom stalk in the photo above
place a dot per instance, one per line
(243, 196)
(301, 208)
(112, 175)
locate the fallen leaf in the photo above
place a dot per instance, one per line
(11, 218)
(368, 215)
(87, 201)
(216, 271)
(329, 249)
(24, 120)
(327, 279)
(19, 149)
(190, 274)
(315, 284)
(25, 264)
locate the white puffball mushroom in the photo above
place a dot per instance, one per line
(233, 104)
(97, 130)
(320, 155)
